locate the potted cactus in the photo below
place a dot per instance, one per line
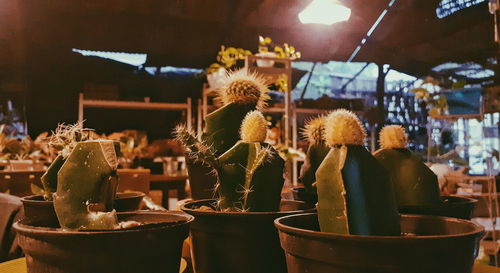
(40, 206)
(357, 227)
(241, 92)
(316, 152)
(416, 187)
(90, 235)
(249, 183)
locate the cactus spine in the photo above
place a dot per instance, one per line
(354, 192)
(316, 152)
(250, 174)
(413, 182)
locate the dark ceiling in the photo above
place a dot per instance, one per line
(188, 33)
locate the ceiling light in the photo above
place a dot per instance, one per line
(326, 12)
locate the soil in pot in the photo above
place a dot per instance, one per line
(243, 242)
(154, 246)
(36, 208)
(431, 244)
(450, 206)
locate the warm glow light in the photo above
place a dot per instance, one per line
(326, 12)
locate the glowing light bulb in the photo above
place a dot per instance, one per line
(326, 12)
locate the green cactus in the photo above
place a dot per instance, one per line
(414, 183)
(355, 195)
(63, 140)
(250, 174)
(241, 93)
(84, 180)
(316, 152)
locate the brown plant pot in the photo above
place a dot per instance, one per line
(36, 208)
(450, 206)
(243, 242)
(154, 247)
(300, 194)
(441, 245)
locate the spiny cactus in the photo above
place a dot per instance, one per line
(85, 180)
(413, 182)
(316, 152)
(242, 92)
(63, 140)
(250, 174)
(354, 192)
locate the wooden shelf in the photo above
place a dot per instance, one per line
(137, 105)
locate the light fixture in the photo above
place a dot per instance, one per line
(326, 12)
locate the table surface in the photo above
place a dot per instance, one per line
(19, 266)
(166, 177)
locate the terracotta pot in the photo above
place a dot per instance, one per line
(451, 206)
(36, 208)
(243, 242)
(128, 201)
(441, 245)
(149, 248)
(300, 194)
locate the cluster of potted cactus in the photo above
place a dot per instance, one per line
(89, 235)
(357, 227)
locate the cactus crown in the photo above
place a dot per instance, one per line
(342, 127)
(254, 127)
(314, 131)
(243, 87)
(393, 136)
(66, 136)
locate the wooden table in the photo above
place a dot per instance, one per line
(166, 183)
(19, 266)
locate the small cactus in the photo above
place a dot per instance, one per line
(316, 152)
(413, 182)
(85, 180)
(241, 93)
(250, 174)
(354, 192)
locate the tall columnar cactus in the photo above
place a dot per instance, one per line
(250, 174)
(355, 195)
(316, 152)
(413, 182)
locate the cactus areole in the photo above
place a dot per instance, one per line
(354, 192)
(413, 182)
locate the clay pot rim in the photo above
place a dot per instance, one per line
(457, 201)
(365, 238)
(31, 198)
(29, 229)
(197, 212)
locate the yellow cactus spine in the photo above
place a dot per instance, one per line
(254, 127)
(314, 131)
(342, 127)
(243, 87)
(393, 137)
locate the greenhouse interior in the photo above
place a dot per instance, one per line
(367, 131)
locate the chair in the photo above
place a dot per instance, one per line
(134, 180)
(19, 182)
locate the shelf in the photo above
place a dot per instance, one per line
(137, 105)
